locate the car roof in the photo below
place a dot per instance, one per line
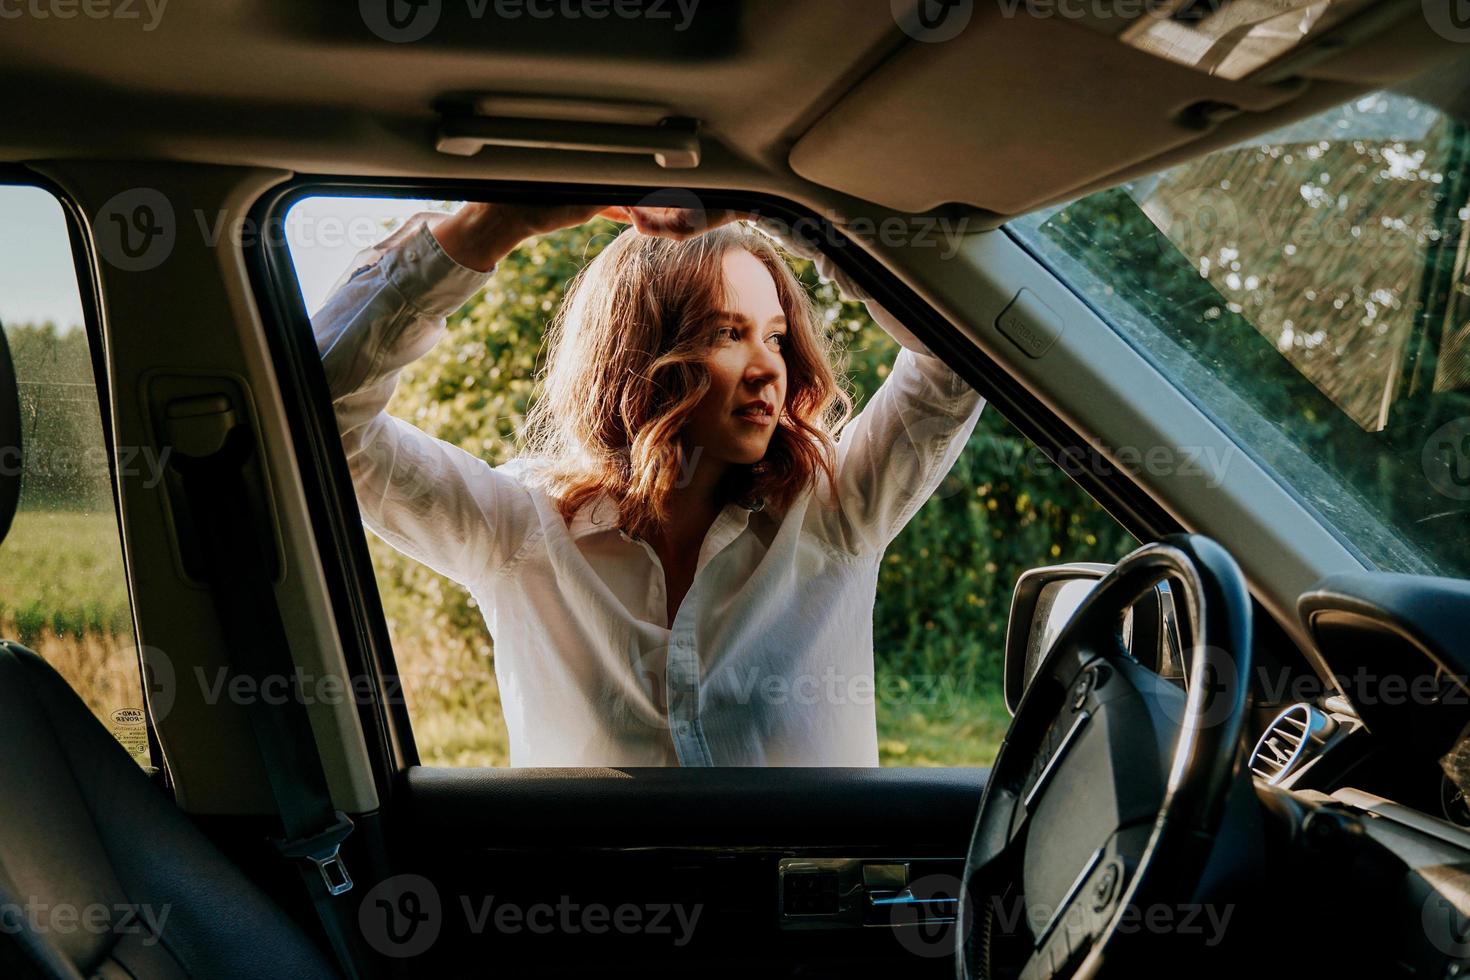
(846, 101)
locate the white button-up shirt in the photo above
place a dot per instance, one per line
(769, 660)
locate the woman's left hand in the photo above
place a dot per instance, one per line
(676, 223)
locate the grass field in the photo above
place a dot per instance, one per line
(62, 593)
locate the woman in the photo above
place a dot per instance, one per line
(680, 566)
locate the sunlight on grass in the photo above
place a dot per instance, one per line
(63, 595)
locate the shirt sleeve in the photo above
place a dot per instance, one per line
(795, 243)
(430, 499)
(894, 453)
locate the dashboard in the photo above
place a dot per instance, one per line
(1371, 773)
(1395, 721)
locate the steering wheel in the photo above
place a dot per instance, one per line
(1102, 807)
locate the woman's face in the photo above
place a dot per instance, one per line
(746, 366)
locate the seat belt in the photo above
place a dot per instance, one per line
(211, 446)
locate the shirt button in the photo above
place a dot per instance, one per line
(412, 255)
(682, 728)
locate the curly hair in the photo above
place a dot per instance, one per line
(626, 367)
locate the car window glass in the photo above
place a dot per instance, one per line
(1308, 289)
(944, 584)
(63, 590)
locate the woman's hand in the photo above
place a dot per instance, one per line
(480, 234)
(676, 223)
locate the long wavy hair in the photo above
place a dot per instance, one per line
(626, 367)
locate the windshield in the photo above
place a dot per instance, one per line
(1308, 290)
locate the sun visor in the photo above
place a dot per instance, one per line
(1013, 112)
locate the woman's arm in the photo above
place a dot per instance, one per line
(429, 499)
(898, 449)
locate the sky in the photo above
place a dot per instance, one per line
(37, 281)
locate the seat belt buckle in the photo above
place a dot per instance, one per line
(333, 871)
(324, 851)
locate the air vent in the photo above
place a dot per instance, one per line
(1288, 741)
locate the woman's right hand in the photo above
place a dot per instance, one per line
(482, 233)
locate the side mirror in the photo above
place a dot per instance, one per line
(1044, 601)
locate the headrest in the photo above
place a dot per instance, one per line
(10, 429)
